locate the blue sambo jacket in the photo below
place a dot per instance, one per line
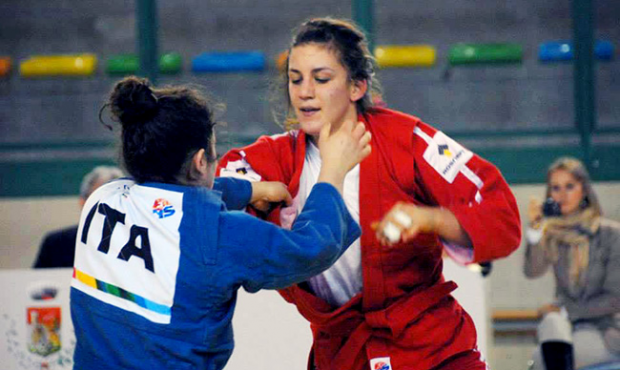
(157, 269)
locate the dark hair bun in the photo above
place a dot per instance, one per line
(133, 102)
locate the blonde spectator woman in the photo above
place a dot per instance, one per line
(568, 234)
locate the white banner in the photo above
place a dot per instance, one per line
(35, 320)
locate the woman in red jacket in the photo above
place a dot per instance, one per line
(385, 302)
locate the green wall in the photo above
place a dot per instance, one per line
(49, 176)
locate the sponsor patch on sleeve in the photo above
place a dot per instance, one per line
(445, 155)
(380, 363)
(240, 169)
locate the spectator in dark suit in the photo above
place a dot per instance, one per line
(58, 247)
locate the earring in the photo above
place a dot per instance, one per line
(584, 203)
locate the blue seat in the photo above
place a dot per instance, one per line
(564, 50)
(229, 61)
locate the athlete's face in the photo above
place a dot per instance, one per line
(320, 89)
(566, 190)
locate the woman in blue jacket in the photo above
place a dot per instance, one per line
(159, 257)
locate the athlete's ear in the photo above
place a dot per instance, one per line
(358, 89)
(199, 167)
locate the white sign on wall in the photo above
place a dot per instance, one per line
(35, 321)
(36, 331)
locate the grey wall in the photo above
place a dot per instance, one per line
(508, 97)
(521, 96)
(258, 314)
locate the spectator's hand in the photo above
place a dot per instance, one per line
(534, 211)
(267, 193)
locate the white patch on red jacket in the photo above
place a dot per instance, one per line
(240, 169)
(380, 363)
(445, 155)
(449, 158)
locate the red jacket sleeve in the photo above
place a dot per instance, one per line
(270, 158)
(471, 188)
(235, 162)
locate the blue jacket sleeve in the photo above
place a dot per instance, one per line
(265, 256)
(236, 193)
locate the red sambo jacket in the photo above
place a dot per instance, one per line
(405, 315)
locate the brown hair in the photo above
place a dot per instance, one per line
(350, 45)
(161, 128)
